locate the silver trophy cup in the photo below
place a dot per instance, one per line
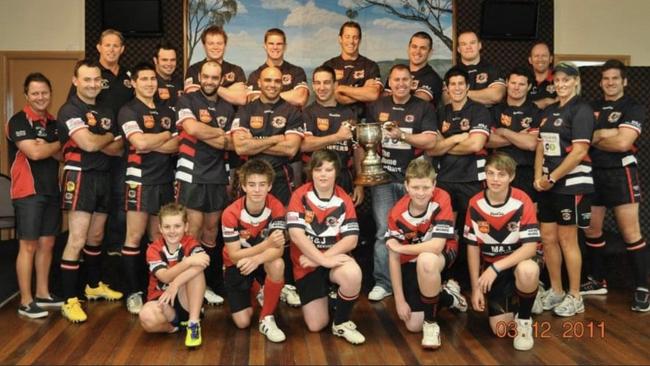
(369, 135)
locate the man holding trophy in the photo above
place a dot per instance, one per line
(408, 126)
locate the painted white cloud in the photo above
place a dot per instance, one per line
(245, 50)
(279, 4)
(310, 15)
(349, 3)
(309, 49)
(241, 8)
(392, 24)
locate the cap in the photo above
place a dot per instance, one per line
(567, 68)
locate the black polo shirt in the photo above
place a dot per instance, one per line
(425, 80)
(116, 89)
(323, 121)
(230, 74)
(482, 75)
(517, 119)
(168, 91)
(293, 77)
(543, 89)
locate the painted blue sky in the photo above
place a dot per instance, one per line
(312, 32)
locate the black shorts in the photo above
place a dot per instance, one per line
(205, 198)
(411, 287)
(37, 216)
(524, 180)
(564, 209)
(238, 287)
(461, 193)
(86, 191)
(616, 186)
(281, 188)
(501, 298)
(148, 198)
(314, 285)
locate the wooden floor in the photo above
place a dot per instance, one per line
(112, 336)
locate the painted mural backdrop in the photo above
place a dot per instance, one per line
(312, 29)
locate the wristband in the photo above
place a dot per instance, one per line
(494, 268)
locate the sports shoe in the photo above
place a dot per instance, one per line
(211, 297)
(551, 299)
(378, 293)
(72, 311)
(193, 335)
(50, 302)
(270, 329)
(32, 311)
(430, 335)
(570, 306)
(290, 296)
(538, 308)
(348, 330)
(593, 287)
(641, 301)
(102, 291)
(524, 338)
(134, 303)
(453, 288)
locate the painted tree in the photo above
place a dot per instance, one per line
(427, 12)
(205, 13)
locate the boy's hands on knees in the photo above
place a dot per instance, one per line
(478, 300)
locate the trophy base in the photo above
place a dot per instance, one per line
(372, 180)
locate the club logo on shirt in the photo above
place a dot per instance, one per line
(331, 221)
(566, 214)
(286, 79)
(104, 83)
(323, 124)
(338, 73)
(526, 121)
(70, 186)
(163, 93)
(506, 120)
(105, 123)
(230, 76)
(279, 122)
(414, 84)
(91, 119)
(484, 227)
(166, 123)
(550, 89)
(221, 121)
(127, 83)
(464, 124)
(557, 122)
(445, 126)
(257, 121)
(383, 117)
(409, 118)
(481, 78)
(149, 121)
(359, 74)
(204, 116)
(614, 117)
(309, 216)
(513, 226)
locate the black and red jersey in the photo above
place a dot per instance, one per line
(75, 115)
(230, 74)
(482, 75)
(415, 116)
(116, 89)
(199, 162)
(437, 221)
(31, 177)
(168, 91)
(560, 127)
(471, 118)
(325, 221)
(293, 77)
(517, 119)
(501, 229)
(354, 72)
(241, 227)
(160, 257)
(621, 113)
(543, 89)
(151, 167)
(425, 80)
(264, 120)
(323, 121)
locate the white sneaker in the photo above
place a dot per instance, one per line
(570, 306)
(524, 338)
(289, 295)
(378, 293)
(134, 303)
(538, 308)
(551, 299)
(211, 297)
(271, 330)
(430, 335)
(348, 330)
(453, 288)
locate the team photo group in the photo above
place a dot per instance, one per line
(244, 190)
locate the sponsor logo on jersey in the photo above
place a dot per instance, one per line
(331, 221)
(148, 121)
(323, 124)
(481, 78)
(105, 123)
(286, 79)
(279, 122)
(70, 186)
(484, 227)
(464, 124)
(91, 119)
(506, 120)
(257, 121)
(383, 117)
(513, 226)
(163, 93)
(614, 117)
(204, 116)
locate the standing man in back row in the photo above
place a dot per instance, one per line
(169, 86)
(543, 91)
